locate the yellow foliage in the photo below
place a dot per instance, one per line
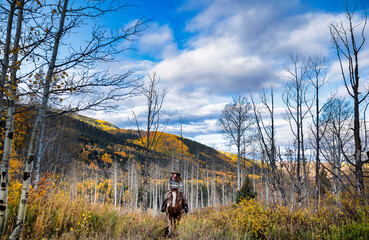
(167, 144)
(15, 188)
(106, 158)
(105, 125)
(121, 153)
(15, 168)
(254, 176)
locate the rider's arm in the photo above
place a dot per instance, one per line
(180, 186)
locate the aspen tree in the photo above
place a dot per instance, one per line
(266, 135)
(155, 120)
(6, 53)
(317, 79)
(234, 122)
(297, 108)
(97, 50)
(9, 128)
(197, 182)
(348, 40)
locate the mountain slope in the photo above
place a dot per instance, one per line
(169, 150)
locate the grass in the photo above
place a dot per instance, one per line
(54, 214)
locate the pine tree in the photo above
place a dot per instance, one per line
(246, 191)
(324, 181)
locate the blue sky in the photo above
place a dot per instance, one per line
(206, 51)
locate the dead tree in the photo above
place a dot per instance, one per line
(155, 124)
(295, 100)
(317, 79)
(234, 122)
(266, 134)
(348, 37)
(337, 121)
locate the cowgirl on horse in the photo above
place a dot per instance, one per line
(175, 182)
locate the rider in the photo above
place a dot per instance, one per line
(175, 182)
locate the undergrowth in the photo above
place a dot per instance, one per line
(53, 214)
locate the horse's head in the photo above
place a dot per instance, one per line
(174, 200)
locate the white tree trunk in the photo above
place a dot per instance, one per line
(39, 155)
(156, 191)
(9, 133)
(6, 53)
(197, 186)
(9, 128)
(207, 185)
(192, 187)
(36, 132)
(115, 183)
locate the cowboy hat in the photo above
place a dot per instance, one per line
(176, 172)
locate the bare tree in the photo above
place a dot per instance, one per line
(267, 135)
(156, 122)
(348, 37)
(317, 79)
(234, 122)
(336, 120)
(295, 99)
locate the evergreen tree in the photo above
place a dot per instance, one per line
(246, 191)
(324, 181)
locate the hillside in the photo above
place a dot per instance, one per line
(112, 140)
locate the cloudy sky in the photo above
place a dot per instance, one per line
(206, 51)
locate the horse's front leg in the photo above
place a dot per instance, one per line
(173, 223)
(169, 218)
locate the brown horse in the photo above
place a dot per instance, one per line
(174, 210)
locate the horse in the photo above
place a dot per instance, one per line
(174, 210)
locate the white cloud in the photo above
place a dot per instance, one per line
(158, 42)
(237, 46)
(234, 46)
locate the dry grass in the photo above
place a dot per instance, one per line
(53, 214)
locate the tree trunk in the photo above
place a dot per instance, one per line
(115, 183)
(197, 185)
(192, 186)
(207, 185)
(36, 132)
(317, 147)
(9, 131)
(6, 53)
(39, 155)
(223, 188)
(238, 166)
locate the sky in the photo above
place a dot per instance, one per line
(206, 51)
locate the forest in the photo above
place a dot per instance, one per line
(68, 176)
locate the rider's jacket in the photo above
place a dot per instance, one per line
(175, 185)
